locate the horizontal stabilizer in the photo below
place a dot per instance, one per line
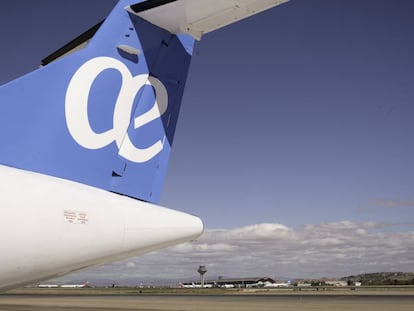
(198, 17)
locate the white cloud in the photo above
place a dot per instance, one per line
(131, 264)
(331, 249)
(394, 203)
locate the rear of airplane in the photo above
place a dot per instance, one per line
(104, 116)
(89, 135)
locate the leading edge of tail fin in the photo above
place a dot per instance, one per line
(104, 115)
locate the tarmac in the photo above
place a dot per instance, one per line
(259, 302)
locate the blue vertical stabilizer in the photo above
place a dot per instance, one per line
(104, 115)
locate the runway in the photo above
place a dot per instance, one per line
(204, 303)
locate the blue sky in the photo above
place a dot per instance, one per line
(301, 114)
(301, 117)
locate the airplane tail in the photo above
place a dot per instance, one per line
(103, 109)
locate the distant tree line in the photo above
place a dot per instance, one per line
(388, 281)
(382, 278)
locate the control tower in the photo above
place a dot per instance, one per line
(202, 270)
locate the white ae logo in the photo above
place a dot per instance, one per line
(76, 109)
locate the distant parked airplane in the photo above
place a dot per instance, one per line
(194, 285)
(48, 286)
(86, 284)
(276, 285)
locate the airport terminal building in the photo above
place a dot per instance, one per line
(231, 282)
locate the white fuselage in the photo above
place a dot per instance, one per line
(51, 226)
